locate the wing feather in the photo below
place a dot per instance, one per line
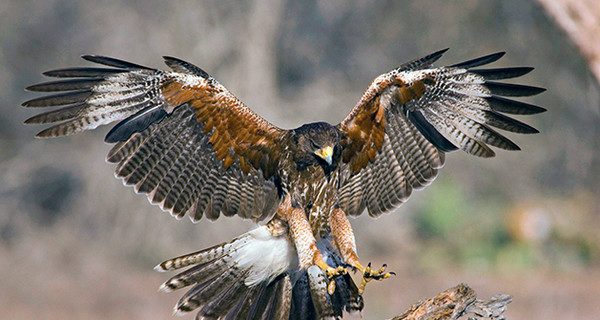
(502, 73)
(81, 72)
(66, 85)
(411, 116)
(181, 138)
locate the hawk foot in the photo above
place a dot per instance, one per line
(331, 273)
(370, 274)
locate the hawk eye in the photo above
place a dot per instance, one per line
(314, 145)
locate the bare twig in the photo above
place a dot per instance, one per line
(455, 303)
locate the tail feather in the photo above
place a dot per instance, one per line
(225, 303)
(242, 277)
(202, 273)
(243, 305)
(203, 256)
(256, 276)
(209, 290)
(264, 307)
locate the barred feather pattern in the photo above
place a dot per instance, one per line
(161, 146)
(232, 281)
(95, 102)
(247, 276)
(407, 162)
(428, 111)
(174, 164)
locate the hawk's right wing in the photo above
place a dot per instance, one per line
(182, 138)
(397, 134)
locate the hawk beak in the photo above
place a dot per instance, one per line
(325, 154)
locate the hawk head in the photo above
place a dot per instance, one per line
(317, 144)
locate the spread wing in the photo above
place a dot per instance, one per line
(181, 138)
(397, 134)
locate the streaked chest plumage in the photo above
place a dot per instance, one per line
(311, 190)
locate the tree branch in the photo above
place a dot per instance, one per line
(455, 303)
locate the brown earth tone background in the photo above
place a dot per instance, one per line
(74, 243)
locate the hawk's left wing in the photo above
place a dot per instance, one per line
(182, 138)
(397, 134)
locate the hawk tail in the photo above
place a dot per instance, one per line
(256, 276)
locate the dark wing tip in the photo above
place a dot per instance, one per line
(424, 62)
(430, 133)
(48, 133)
(179, 65)
(539, 110)
(65, 85)
(480, 61)
(435, 56)
(112, 62)
(438, 53)
(135, 123)
(502, 73)
(503, 122)
(58, 99)
(513, 90)
(98, 59)
(81, 72)
(500, 104)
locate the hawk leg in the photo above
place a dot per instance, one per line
(343, 236)
(305, 242)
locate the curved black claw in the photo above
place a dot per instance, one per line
(370, 274)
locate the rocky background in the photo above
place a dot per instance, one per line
(74, 243)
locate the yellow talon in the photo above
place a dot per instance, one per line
(331, 287)
(331, 273)
(369, 274)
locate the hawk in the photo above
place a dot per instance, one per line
(194, 149)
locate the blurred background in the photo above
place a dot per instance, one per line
(74, 243)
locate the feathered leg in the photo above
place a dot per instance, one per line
(306, 244)
(341, 230)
